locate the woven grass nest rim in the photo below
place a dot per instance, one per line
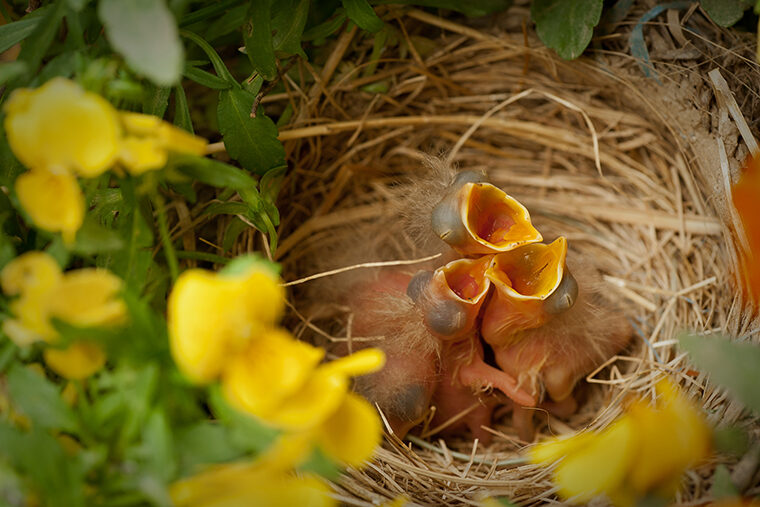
(632, 172)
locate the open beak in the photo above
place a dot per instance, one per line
(531, 283)
(479, 218)
(452, 296)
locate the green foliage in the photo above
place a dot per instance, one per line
(725, 12)
(251, 141)
(39, 399)
(565, 26)
(361, 13)
(722, 486)
(731, 365)
(257, 35)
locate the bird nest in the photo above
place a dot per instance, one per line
(633, 170)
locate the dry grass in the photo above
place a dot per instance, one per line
(632, 172)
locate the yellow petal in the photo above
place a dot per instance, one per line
(352, 433)
(89, 298)
(546, 453)
(676, 437)
(201, 327)
(211, 317)
(180, 141)
(23, 335)
(600, 466)
(78, 361)
(290, 450)
(262, 297)
(273, 367)
(317, 400)
(139, 155)
(59, 125)
(166, 135)
(239, 484)
(34, 276)
(30, 272)
(54, 201)
(359, 363)
(140, 125)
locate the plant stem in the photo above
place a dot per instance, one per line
(166, 240)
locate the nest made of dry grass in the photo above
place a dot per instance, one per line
(632, 171)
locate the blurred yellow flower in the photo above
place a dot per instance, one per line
(643, 453)
(61, 127)
(60, 131)
(149, 139)
(77, 361)
(85, 298)
(31, 276)
(212, 317)
(278, 381)
(53, 200)
(237, 484)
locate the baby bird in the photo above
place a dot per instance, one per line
(403, 388)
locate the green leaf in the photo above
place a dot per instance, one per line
(39, 399)
(233, 231)
(731, 365)
(156, 449)
(93, 238)
(251, 141)
(226, 208)
(11, 70)
(362, 13)
(565, 26)
(244, 263)
(722, 486)
(77, 5)
(145, 33)
(476, 8)
(724, 12)
(206, 79)
(245, 432)
(13, 33)
(228, 23)
(326, 28)
(156, 100)
(182, 110)
(730, 440)
(213, 172)
(257, 35)
(219, 67)
(321, 464)
(36, 45)
(288, 21)
(203, 443)
(58, 478)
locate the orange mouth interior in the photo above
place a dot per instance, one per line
(467, 278)
(534, 270)
(496, 219)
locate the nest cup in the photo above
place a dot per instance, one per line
(633, 171)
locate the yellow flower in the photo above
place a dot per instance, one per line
(149, 139)
(85, 298)
(59, 130)
(31, 276)
(77, 361)
(644, 452)
(212, 317)
(278, 381)
(236, 484)
(59, 126)
(53, 200)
